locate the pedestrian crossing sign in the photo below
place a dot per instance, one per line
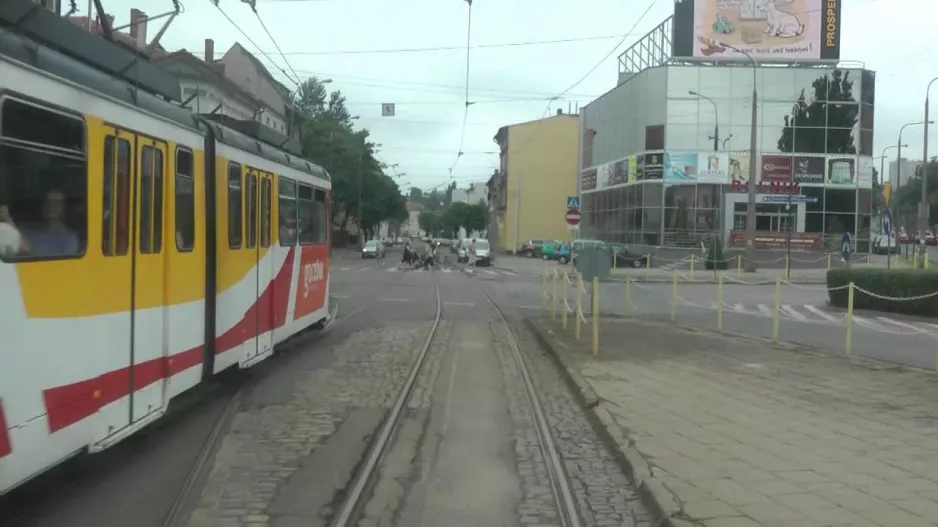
(573, 202)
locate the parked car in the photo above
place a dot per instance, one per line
(622, 256)
(930, 238)
(484, 255)
(532, 248)
(549, 249)
(563, 253)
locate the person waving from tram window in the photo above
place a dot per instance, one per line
(52, 237)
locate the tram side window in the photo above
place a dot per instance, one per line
(322, 218)
(115, 217)
(265, 212)
(185, 201)
(287, 211)
(250, 211)
(43, 183)
(234, 206)
(151, 200)
(307, 215)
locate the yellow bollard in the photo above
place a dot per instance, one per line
(693, 259)
(673, 294)
(868, 259)
(739, 264)
(647, 264)
(544, 294)
(564, 316)
(628, 295)
(579, 304)
(914, 262)
(829, 261)
(925, 265)
(553, 297)
(595, 316)
(776, 308)
(720, 302)
(849, 343)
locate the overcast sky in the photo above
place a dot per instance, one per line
(342, 39)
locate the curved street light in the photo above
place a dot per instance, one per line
(923, 212)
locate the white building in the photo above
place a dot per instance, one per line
(475, 193)
(909, 166)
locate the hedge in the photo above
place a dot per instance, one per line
(896, 283)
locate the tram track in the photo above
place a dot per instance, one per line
(351, 510)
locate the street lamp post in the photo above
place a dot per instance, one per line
(750, 253)
(882, 172)
(923, 207)
(899, 164)
(716, 119)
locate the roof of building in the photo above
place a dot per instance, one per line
(120, 37)
(209, 72)
(281, 89)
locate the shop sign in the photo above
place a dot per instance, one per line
(768, 187)
(809, 169)
(800, 241)
(654, 166)
(588, 181)
(776, 168)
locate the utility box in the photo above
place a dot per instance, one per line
(594, 262)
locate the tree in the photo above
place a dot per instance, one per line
(823, 123)
(328, 138)
(908, 196)
(430, 223)
(476, 217)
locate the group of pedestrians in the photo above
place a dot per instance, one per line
(431, 255)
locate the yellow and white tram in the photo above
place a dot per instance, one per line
(142, 251)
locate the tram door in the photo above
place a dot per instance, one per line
(149, 276)
(265, 266)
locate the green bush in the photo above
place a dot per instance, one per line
(895, 283)
(715, 257)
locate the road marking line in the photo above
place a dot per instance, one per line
(902, 324)
(790, 311)
(394, 300)
(392, 269)
(820, 313)
(490, 272)
(447, 270)
(739, 308)
(765, 310)
(509, 273)
(869, 324)
(365, 268)
(467, 304)
(529, 307)
(341, 297)
(345, 268)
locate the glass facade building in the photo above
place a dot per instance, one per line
(666, 156)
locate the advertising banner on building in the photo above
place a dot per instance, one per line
(602, 176)
(865, 172)
(809, 170)
(768, 30)
(800, 241)
(588, 179)
(841, 171)
(654, 165)
(640, 167)
(680, 166)
(633, 169)
(617, 174)
(713, 167)
(739, 167)
(776, 168)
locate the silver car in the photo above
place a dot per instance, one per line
(372, 249)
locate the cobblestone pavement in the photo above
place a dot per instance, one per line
(269, 469)
(604, 495)
(736, 432)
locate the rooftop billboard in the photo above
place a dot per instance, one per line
(769, 30)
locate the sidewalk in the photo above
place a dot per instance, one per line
(722, 431)
(702, 276)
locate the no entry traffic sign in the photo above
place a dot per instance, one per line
(573, 216)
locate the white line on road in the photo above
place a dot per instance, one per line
(467, 304)
(869, 324)
(394, 300)
(739, 308)
(820, 313)
(509, 273)
(490, 272)
(366, 268)
(902, 324)
(341, 297)
(766, 310)
(345, 268)
(793, 313)
(392, 269)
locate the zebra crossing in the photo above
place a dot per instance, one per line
(810, 313)
(399, 269)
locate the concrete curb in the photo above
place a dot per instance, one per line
(663, 505)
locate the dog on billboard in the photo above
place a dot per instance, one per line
(780, 23)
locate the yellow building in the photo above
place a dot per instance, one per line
(538, 171)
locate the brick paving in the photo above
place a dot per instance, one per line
(743, 433)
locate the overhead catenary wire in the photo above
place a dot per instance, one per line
(466, 103)
(249, 39)
(296, 78)
(587, 74)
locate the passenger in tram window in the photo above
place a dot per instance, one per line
(52, 237)
(11, 242)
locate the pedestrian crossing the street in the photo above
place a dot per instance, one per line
(809, 313)
(399, 269)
